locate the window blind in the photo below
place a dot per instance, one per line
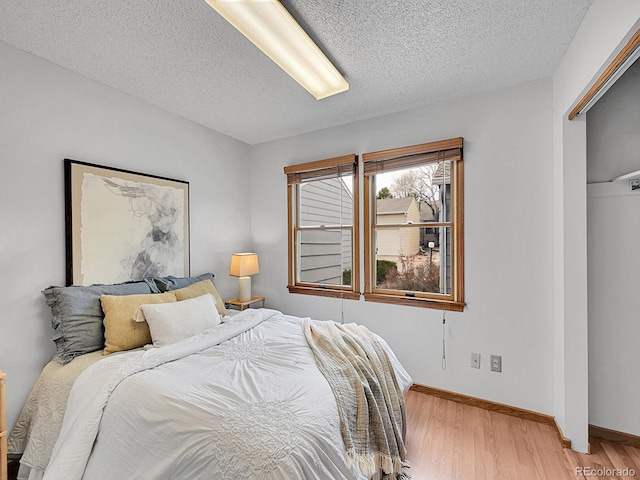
(331, 167)
(414, 156)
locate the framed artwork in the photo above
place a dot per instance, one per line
(123, 226)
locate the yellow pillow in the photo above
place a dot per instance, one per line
(120, 331)
(200, 288)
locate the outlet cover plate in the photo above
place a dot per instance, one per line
(475, 360)
(496, 363)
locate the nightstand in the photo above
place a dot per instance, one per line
(244, 305)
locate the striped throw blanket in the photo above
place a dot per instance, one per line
(369, 399)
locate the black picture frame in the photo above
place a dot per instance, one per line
(122, 225)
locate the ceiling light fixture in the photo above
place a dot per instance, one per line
(272, 29)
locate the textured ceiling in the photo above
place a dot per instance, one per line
(396, 55)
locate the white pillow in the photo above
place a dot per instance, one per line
(184, 319)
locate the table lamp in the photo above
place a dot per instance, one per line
(243, 265)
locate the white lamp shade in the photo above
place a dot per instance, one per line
(244, 264)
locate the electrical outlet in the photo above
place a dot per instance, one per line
(496, 363)
(475, 360)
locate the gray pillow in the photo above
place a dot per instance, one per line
(77, 316)
(166, 284)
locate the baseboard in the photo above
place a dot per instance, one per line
(614, 436)
(564, 441)
(495, 407)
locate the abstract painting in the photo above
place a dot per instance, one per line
(124, 226)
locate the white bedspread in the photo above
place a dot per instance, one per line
(244, 401)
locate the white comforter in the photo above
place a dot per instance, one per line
(245, 400)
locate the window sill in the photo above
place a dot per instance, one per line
(450, 305)
(325, 292)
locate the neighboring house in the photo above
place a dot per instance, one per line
(428, 234)
(442, 177)
(325, 254)
(393, 242)
(407, 241)
(435, 210)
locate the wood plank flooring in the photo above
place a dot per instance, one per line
(447, 440)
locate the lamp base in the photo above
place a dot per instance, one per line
(244, 289)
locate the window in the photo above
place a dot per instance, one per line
(414, 225)
(323, 219)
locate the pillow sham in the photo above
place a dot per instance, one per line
(76, 316)
(172, 322)
(200, 288)
(121, 332)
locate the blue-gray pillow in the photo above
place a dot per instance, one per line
(77, 316)
(152, 284)
(166, 284)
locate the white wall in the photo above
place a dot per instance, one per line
(613, 146)
(508, 242)
(604, 30)
(47, 114)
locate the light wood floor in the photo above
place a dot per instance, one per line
(448, 440)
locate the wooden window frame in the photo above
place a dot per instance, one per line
(393, 159)
(296, 174)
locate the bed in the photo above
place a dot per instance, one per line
(256, 395)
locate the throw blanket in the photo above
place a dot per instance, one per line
(370, 401)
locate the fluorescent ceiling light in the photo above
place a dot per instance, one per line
(273, 30)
